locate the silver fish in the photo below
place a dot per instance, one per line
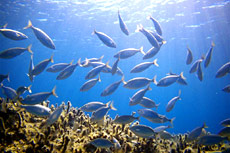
(102, 143)
(148, 103)
(114, 67)
(58, 67)
(161, 128)
(89, 84)
(12, 34)
(166, 135)
(137, 97)
(223, 70)
(157, 36)
(168, 80)
(126, 53)
(138, 82)
(196, 133)
(195, 65)
(111, 88)
(189, 56)
(208, 56)
(9, 92)
(213, 139)
(181, 81)
(225, 132)
(93, 106)
(23, 89)
(86, 63)
(95, 71)
(54, 116)
(40, 67)
(152, 52)
(125, 119)
(31, 67)
(3, 77)
(199, 72)
(37, 109)
(123, 26)
(226, 89)
(143, 66)
(142, 131)
(156, 24)
(172, 102)
(41, 36)
(13, 52)
(225, 122)
(105, 39)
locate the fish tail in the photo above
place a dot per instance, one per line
(71, 62)
(29, 88)
(182, 76)
(101, 57)
(157, 106)
(171, 120)
(29, 25)
(164, 42)
(79, 62)
(107, 104)
(155, 80)
(54, 92)
(29, 49)
(99, 78)
(149, 88)
(149, 17)
(213, 44)
(112, 107)
(94, 32)
(155, 62)
(107, 64)
(141, 50)
(204, 125)
(133, 113)
(51, 58)
(138, 29)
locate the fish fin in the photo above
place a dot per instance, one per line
(51, 58)
(149, 88)
(29, 88)
(116, 116)
(133, 113)
(171, 120)
(157, 106)
(182, 76)
(107, 104)
(141, 50)
(8, 77)
(112, 107)
(71, 62)
(213, 44)
(101, 57)
(3, 27)
(123, 80)
(54, 92)
(155, 80)
(99, 78)
(29, 49)
(107, 64)
(94, 32)
(204, 125)
(29, 25)
(155, 62)
(79, 62)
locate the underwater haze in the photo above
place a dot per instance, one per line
(70, 23)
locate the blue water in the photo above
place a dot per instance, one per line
(70, 24)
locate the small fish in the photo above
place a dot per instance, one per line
(223, 70)
(196, 133)
(54, 116)
(86, 63)
(161, 128)
(143, 66)
(199, 72)
(212, 139)
(105, 39)
(156, 24)
(172, 102)
(99, 114)
(38, 97)
(102, 143)
(225, 123)
(123, 26)
(226, 89)
(13, 52)
(89, 84)
(189, 56)
(153, 41)
(3, 77)
(138, 82)
(208, 56)
(58, 67)
(68, 71)
(31, 67)
(195, 65)
(9, 92)
(37, 109)
(143, 131)
(111, 88)
(125, 119)
(114, 67)
(41, 36)
(137, 97)
(170, 79)
(225, 132)
(181, 81)
(151, 52)
(148, 103)
(95, 71)
(158, 37)
(166, 135)
(40, 67)
(93, 106)
(12, 34)
(21, 90)
(126, 53)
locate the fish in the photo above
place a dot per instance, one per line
(12, 34)
(151, 52)
(13, 52)
(68, 71)
(199, 72)
(158, 37)
(143, 66)
(225, 123)
(95, 71)
(161, 128)
(153, 41)
(156, 25)
(137, 97)
(148, 103)
(196, 133)
(58, 67)
(170, 79)
(90, 84)
(138, 82)
(41, 36)
(166, 135)
(189, 56)
(31, 67)
(154, 117)
(111, 88)
(226, 89)
(208, 56)
(181, 81)
(212, 139)
(54, 116)
(123, 26)
(93, 106)
(102, 143)
(100, 113)
(86, 63)
(22, 89)
(4, 76)
(195, 65)
(172, 102)
(9, 92)
(125, 119)
(126, 53)
(38, 97)
(143, 131)
(40, 67)
(105, 39)
(224, 132)
(114, 67)
(37, 109)
(223, 70)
